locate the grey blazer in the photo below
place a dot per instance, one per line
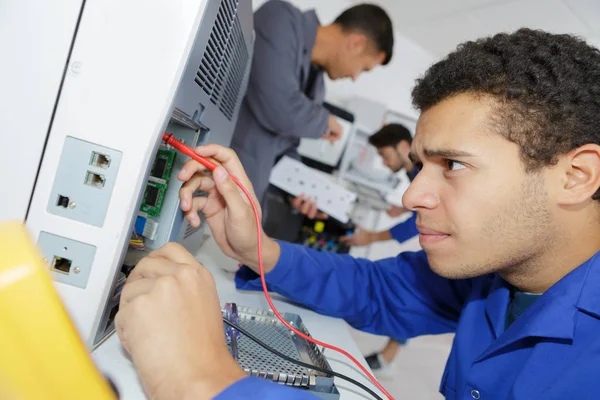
(276, 112)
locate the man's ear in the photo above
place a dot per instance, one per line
(580, 175)
(357, 42)
(403, 147)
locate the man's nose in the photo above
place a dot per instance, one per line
(421, 194)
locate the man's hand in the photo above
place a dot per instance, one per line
(226, 208)
(307, 207)
(396, 211)
(359, 238)
(334, 130)
(364, 238)
(170, 321)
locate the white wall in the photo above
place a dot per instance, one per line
(389, 85)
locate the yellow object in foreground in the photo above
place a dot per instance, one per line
(41, 354)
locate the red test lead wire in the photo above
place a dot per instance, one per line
(172, 141)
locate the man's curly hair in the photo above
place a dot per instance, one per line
(546, 87)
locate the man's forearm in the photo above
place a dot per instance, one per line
(270, 255)
(182, 386)
(381, 236)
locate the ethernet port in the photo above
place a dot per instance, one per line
(62, 265)
(62, 201)
(94, 180)
(100, 160)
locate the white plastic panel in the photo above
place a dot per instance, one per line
(35, 37)
(296, 178)
(323, 150)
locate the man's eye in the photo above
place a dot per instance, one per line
(454, 165)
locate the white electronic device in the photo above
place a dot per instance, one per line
(322, 150)
(363, 166)
(88, 88)
(296, 178)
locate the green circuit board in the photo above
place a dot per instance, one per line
(163, 164)
(153, 198)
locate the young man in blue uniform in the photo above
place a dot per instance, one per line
(508, 209)
(393, 145)
(392, 142)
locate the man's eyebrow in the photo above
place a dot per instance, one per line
(442, 153)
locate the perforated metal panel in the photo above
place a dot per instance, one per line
(258, 361)
(221, 70)
(254, 357)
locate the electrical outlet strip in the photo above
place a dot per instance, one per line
(296, 178)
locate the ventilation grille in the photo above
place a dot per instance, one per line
(190, 230)
(221, 70)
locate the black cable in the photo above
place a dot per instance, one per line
(301, 363)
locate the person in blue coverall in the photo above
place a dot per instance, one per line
(393, 145)
(392, 142)
(508, 209)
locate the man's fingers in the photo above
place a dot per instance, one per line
(305, 207)
(196, 182)
(147, 267)
(189, 169)
(236, 205)
(297, 203)
(313, 210)
(175, 253)
(135, 288)
(120, 320)
(198, 204)
(228, 159)
(322, 215)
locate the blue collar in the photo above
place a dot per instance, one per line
(552, 315)
(412, 174)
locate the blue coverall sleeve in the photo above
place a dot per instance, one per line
(254, 388)
(397, 297)
(405, 230)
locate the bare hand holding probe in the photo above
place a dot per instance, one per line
(172, 141)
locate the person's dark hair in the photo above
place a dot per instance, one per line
(373, 22)
(390, 135)
(546, 87)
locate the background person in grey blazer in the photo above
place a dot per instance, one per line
(284, 100)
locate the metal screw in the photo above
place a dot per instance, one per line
(76, 68)
(72, 205)
(77, 270)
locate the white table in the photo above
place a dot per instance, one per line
(112, 360)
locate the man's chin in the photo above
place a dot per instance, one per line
(334, 76)
(450, 269)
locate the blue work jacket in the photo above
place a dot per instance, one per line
(405, 230)
(550, 352)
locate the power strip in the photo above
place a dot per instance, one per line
(296, 178)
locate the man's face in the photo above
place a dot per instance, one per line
(478, 210)
(391, 158)
(354, 56)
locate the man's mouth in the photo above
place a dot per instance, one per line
(430, 236)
